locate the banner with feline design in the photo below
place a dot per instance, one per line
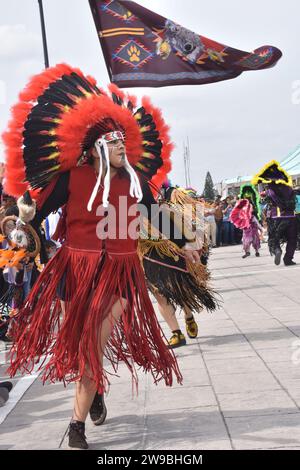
(142, 48)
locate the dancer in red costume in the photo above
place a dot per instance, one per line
(80, 147)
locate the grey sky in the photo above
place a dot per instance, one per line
(234, 126)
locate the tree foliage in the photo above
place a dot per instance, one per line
(209, 192)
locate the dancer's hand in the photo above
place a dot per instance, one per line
(191, 255)
(2, 213)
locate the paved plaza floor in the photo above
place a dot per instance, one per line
(241, 387)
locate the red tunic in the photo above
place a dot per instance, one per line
(82, 225)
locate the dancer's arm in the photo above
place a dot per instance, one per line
(50, 200)
(57, 198)
(259, 226)
(174, 234)
(159, 219)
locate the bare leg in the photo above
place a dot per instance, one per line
(63, 307)
(167, 311)
(84, 396)
(187, 312)
(86, 388)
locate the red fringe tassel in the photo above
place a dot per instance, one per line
(94, 282)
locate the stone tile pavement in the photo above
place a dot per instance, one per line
(241, 386)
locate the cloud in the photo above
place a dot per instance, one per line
(234, 126)
(2, 92)
(16, 42)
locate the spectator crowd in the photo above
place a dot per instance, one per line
(219, 230)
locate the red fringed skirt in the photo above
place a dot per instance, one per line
(92, 282)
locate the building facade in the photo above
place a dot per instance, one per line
(291, 164)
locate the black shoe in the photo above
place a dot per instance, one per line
(246, 255)
(4, 396)
(257, 254)
(77, 439)
(7, 385)
(289, 263)
(98, 410)
(278, 254)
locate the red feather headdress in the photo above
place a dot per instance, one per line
(61, 113)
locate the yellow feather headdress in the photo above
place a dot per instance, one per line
(272, 172)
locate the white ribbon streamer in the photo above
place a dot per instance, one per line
(135, 186)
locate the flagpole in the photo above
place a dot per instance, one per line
(189, 161)
(185, 163)
(46, 58)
